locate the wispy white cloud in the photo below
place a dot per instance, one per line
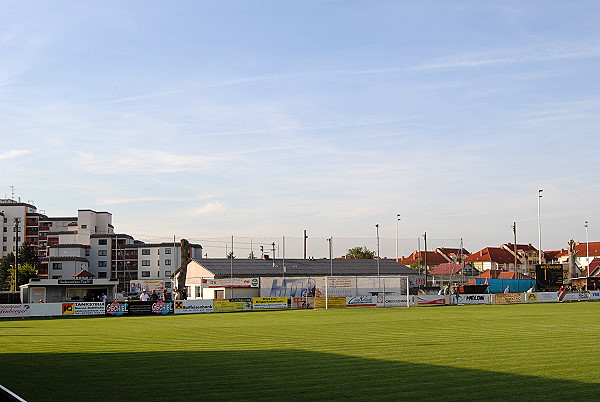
(512, 56)
(143, 97)
(209, 208)
(14, 153)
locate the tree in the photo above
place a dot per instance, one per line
(230, 255)
(26, 272)
(360, 253)
(28, 261)
(6, 265)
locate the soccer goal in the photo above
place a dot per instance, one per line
(382, 291)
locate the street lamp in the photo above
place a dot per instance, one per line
(397, 222)
(539, 227)
(587, 247)
(377, 230)
(330, 240)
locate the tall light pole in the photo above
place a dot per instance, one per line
(397, 222)
(587, 248)
(377, 231)
(539, 227)
(330, 240)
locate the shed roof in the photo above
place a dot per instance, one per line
(301, 267)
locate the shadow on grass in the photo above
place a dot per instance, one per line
(264, 375)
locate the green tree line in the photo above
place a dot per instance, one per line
(29, 264)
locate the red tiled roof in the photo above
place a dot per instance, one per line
(446, 269)
(433, 258)
(521, 247)
(84, 274)
(594, 266)
(452, 252)
(500, 274)
(581, 249)
(555, 254)
(492, 254)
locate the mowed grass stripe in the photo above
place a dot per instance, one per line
(380, 352)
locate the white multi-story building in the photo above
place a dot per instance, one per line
(11, 235)
(87, 242)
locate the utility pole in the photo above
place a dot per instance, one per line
(539, 226)
(330, 240)
(514, 228)
(397, 222)
(305, 237)
(377, 230)
(273, 244)
(425, 257)
(16, 289)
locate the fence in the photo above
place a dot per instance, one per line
(130, 308)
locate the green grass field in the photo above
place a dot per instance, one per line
(488, 352)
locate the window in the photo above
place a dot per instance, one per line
(102, 263)
(145, 251)
(101, 274)
(167, 251)
(145, 274)
(3, 248)
(167, 262)
(87, 252)
(5, 228)
(84, 226)
(102, 253)
(4, 239)
(145, 263)
(158, 263)
(102, 242)
(57, 265)
(167, 273)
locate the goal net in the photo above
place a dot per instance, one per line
(383, 291)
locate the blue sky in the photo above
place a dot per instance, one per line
(260, 119)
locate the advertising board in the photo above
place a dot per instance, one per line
(298, 303)
(139, 308)
(541, 297)
(84, 308)
(357, 301)
(430, 300)
(46, 309)
(474, 299)
(193, 306)
(508, 298)
(595, 295)
(228, 306)
(137, 285)
(231, 283)
(392, 300)
(331, 302)
(263, 303)
(574, 296)
(14, 310)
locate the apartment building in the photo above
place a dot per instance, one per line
(12, 231)
(68, 245)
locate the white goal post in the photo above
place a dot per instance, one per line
(382, 291)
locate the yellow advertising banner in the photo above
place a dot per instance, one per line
(331, 302)
(531, 297)
(227, 306)
(508, 298)
(269, 302)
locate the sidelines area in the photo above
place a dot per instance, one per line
(197, 306)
